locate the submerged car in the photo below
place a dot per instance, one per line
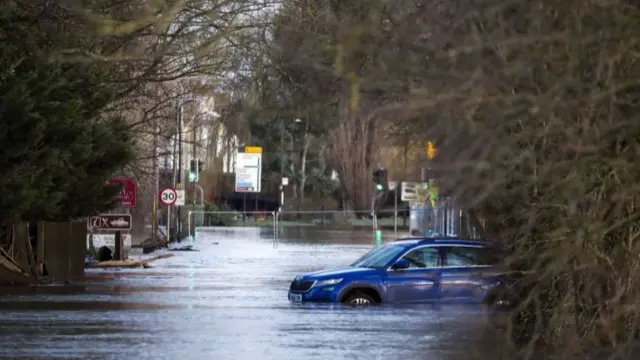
(408, 271)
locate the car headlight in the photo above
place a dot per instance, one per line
(328, 282)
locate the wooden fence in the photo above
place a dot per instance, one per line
(44, 251)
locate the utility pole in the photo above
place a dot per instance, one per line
(156, 187)
(174, 175)
(180, 172)
(381, 185)
(195, 161)
(282, 128)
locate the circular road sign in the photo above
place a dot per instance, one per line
(168, 196)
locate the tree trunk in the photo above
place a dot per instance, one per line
(294, 186)
(303, 162)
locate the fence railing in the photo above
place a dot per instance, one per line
(445, 219)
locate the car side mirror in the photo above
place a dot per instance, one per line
(401, 264)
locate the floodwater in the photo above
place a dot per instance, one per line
(227, 301)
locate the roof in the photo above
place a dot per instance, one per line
(441, 241)
(410, 241)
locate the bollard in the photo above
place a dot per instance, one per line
(378, 238)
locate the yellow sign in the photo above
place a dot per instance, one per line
(179, 186)
(431, 150)
(253, 149)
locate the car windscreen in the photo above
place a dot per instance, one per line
(379, 258)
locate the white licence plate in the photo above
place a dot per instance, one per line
(295, 297)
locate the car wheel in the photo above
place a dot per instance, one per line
(359, 299)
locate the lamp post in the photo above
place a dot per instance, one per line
(284, 181)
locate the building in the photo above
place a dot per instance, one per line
(204, 137)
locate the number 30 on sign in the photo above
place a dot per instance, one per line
(168, 196)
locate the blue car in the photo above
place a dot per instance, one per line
(407, 271)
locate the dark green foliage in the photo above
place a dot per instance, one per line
(57, 149)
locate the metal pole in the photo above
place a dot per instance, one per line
(395, 210)
(244, 207)
(281, 197)
(374, 224)
(180, 172)
(174, 169)
(189, 225)
(169, 222)
(195, 160)
(156, 188)
(201, 194)
(174, 160)
(275, 228)
(373, 206)
(282, 151)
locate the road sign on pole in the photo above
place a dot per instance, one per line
(168, 196)
(110, 222)
(180, 197)
(128, 195)
(249, 169)
(414, 192)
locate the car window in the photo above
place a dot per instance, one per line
(471, 256)
(380, 257)
(425, 257)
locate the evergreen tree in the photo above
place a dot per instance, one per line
(57, 149)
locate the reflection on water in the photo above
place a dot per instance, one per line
(227, 301)
(317, 235)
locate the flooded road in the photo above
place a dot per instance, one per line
(227, 301)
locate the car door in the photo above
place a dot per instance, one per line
(420, 282)
(465, 273)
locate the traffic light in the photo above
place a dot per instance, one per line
(380, 179)
(194, 170)
(432, 151)
(434, 192)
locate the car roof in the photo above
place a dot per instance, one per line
(444, 241)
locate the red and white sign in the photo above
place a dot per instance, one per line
(108, 240)
(168, 196)
(129, 194)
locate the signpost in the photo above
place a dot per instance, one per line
(110, 222)
(393, 186)
(415, 192)
(129, 194)
(249, 169)
(180, 198)
(168, 196)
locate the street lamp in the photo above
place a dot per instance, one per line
(284, 181)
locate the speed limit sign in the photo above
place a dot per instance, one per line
(168, 196)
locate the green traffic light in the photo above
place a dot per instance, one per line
(193, 177)
(379, 187)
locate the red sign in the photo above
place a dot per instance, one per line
(129, 194)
